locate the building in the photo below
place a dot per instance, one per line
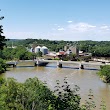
(74, 50)
(68, 51)
(37, 49)
(71, 49)
(61, 54)
(66, 48)
(44, 50)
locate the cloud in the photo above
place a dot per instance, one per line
(69, 21)
(105, 27)
(82, 31)
(70, 32)
(81, 27)
(61, 29)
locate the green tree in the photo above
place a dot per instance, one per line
(39, 54)
(2, 66)
(2, 38)
(104, 73)
(35, 95)
(66, 98)
(2, 43)
(7, 53)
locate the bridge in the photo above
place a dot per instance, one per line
(59, 63)
(36, 62)
(12, 63)
(80, 63)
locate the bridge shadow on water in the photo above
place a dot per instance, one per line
(91, 69)
(73, 68)
(25, 66)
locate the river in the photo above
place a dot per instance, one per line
(86, 79)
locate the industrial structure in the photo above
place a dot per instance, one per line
(37, 49)
(44, 50)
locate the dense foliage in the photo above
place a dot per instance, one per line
(97, 48)
(2, 66)
(2, 38)
(2, 44)
(105, 73)
(20, 53)
(34, 95)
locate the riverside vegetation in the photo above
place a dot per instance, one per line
(2, 66)
(35, 95)
(104, 73)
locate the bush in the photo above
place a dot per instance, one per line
(104, 73)
(2, 66)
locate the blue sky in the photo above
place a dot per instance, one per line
(56, 19)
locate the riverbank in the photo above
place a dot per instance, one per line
(101, 59)
(104, 73)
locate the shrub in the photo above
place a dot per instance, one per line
(2, 66)
(104, 73)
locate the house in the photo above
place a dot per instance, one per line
(61, 54)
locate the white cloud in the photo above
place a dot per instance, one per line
(82, 31)
(81, 27)
(61, 29)
(69, 21)
(105, 27)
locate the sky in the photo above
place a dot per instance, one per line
(69, 20)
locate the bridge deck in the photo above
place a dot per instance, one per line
(75, 62)
(14, 63)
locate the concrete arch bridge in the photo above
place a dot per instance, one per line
(59, 63)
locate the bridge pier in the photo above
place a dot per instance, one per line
(59, 64)
(81, 66)
(14, 65)
(40, 63)
(36, 63)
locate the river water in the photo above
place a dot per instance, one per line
(86, 79)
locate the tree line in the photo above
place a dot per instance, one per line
(97, 48)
